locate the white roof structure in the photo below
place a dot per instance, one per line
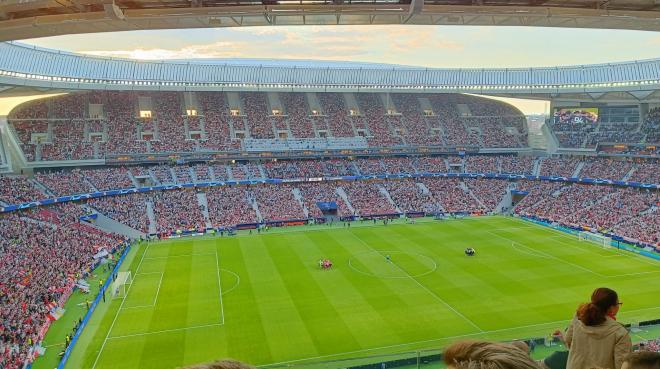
(27, 67)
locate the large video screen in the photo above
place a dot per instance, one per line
(576, 115)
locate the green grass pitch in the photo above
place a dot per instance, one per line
(262, 298)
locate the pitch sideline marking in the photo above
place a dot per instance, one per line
(98, 356)
(423, 287)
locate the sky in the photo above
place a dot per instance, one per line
(414, 45)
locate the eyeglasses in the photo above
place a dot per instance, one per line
(619, 303)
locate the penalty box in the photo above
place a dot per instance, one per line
(172, 293)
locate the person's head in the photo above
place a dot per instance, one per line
(642, 360)
(521, 345)
(221, 364)
(486, 355)
(604, 302)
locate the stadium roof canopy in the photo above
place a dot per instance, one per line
(22, 19)
(28, 70)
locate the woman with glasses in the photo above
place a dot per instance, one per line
(594, 338)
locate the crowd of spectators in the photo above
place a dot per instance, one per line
(625, 211)
(562, 167)
(277, 202)
(336, 114)
(517, 164)
(297, 115)
(65, 129)
(482, 164)
(431, 164)
(39, 263)
(229, 206)
(18, 189)
(62, 183)
(313, 193)
(410, 197)
(177, 210)
(109, 178)
(646, 173)
(366, 198)
(605, 169)
(490, 192)
(130, 210)
(162, 174)
(451, 195)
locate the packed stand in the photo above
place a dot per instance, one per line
(482, 164)
(230, 206)
(410, 197)
(298, 117)
(558, 167)
(398, 165)
(517, 164)
(370, 166)
(374, 114)
(313, 193)
(162, 174)
(429, 164)
(177, 210)
(646, 173)
(605, 169)
(130, 210)
(202, 173)
(216, 122)
(644, 228)
(62, 183)
(489, 191)
(366, 198)
(336, 112)
(277, 203)
(108, 178)
(39, 264)
(255, 106)
(18, 189)
(451, 196)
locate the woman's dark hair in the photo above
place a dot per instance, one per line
(595, 312)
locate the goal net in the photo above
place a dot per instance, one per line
(596, 238)
(120, 284)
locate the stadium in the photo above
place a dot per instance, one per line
(286, 213)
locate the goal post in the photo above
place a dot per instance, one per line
(120, 285)
(599, 239)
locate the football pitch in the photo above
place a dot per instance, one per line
(264, 300)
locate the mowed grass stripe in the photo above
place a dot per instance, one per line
(412, 310)
(171, 312)
(246, 337)
(297, 267)
(351, 295)
(281, 320)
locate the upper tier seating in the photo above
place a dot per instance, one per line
(62, 128)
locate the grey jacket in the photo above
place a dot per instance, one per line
(601, 346)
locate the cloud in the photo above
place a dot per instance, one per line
(356, 43)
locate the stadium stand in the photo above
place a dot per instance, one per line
(157, 122)
(230, 206)
(40, 262)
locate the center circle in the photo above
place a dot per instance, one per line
(392, 264)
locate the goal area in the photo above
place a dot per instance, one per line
(595, 238)
(120, 284)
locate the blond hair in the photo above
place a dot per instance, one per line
(487, 355)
